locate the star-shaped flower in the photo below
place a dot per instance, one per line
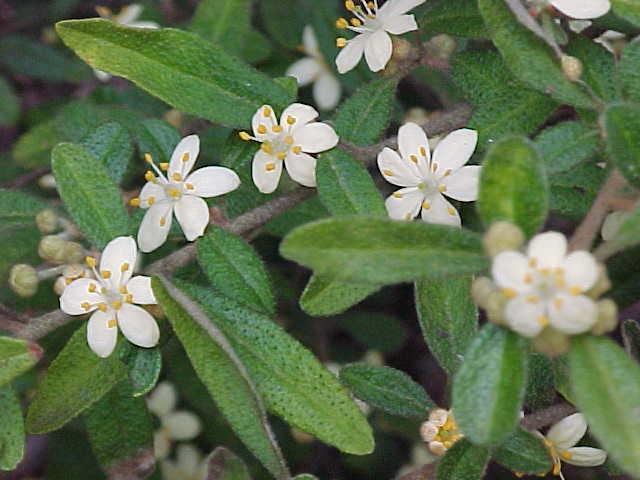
(373, 25)
(313, 69)
(180, 193)
(289, 141)
(546, 286)
(112, 296)
(582, 9)
(427, 180)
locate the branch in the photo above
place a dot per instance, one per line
(425, 472)
(547, 416)
(26, 178)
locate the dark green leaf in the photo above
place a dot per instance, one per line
(9, 104)
(325, 296)
(110, 143)
(464, 461)
(627, 9)
(283, 23)
(454, 17)
(599, 69)
(16, 357)
(629, 71)
(303, 213)
(223, 464)
(524, 452)
(565, 145)
(18, 208)
(12, 438)
(158, 138)
(144, 368)
(622, 125)
(631, 338)
(376, 331)
(540, 387)
(226, 23)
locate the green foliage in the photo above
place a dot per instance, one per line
(12, 438)
(606, 385)
(325, 295)
(225, 465)
(111, 145)
(629, 71)
(599, 69)
(380, 251)
(94, 201)
(180, 68)
(283, 23)
(388, 389)
(627, 9)
(464, 461)
(9, 104)
(566, 145)
(374, 330)
(524, 452)
(16, 357)
(226, 23)
(540, 387)
(622, 125)
(448, 318)
(144, 366)
(157, 138)
(454, 17)
(489, 388)
(513, 185)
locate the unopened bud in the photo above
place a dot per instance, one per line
(443, 46)
(481, 288)
(47, 221)
(602, 285)
(47, 182)
(59, 285)
(401, 49)
(607, 317)
(301, 437)
(73, 252)
(501, 237)
(373, 357)
(23, 280)
(51, 248)
(174, 118)
(437, 448)
(551, 343)
(571, 67)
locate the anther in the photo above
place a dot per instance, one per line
(341, 42)
(342, 23)
(149, 176)
(288, 140)
(267, 148)
(91, 262)
(185, 157)
(451, 211)
(124, 267)
(116, 305)
(442, 188)
(575, 290)
(176, 176)
(262, 129)
(356, 22)
(414, 158)
(509, 293)
(426, 205)
(447, 172)
(244, 136)
(164, 166)
(434, 167)
(173, 192)
(163, 221)
(397, 195)
(92, 287)
(148, 158)
(270, 167)
(533, 299)
(276, 128)
(291, 120)
(558, 302)
(266, 112)
(112, 323)
(103, 307)
(106, 274)
(543, 320)
(151, 200)
(423, 151)
(189, 186)
(349, 5)
(128, 298)
(297, 150)
(281, 155)
(123, 290)
(388, 173)
(134, 202)
(86, 306)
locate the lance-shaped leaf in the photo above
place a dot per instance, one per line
(448, 318)
(226, 23)
(89, 193)
(181, 68)
(454, 17)
(144, 365)
(629, 71)
(622, 125)
(110, 143)
(325, 296)
(121, 433)
(464, 461)
(16, 357)
(223, 373)
(566, 145)
(523, 452)
(627, 9)
(381, 251)
(489, 388)
(76, 379)
(513, 185)
(12, 437)
(606, 384)
(223, 464)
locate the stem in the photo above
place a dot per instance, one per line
(425, 472)
(547, 416)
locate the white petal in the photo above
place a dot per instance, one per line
(398, 7)
(404, 204)
(305, 70)
(509, 270)
(161, 449)
(327, 91)
(412, 143)
(581, 270)
(138, 326)
(155, 226)
(301, 168)
(378, 50)
(572, 314)
(266, 171)
(440, 211)
(586, 456)
(140, 288)
(182, 425)
(395, 170)
(463, 183)
(128, 14)
(151, 190)
(548, 249)
(102, 75)
(144, 24)
(582, 9)
(188, 457)
(184, 156)
(309, 41)
(212, 181)
(78, 293)
(316, 137)
(397, 25)
(119, 258)
(102, 337)
(455, 150)
(568, 431)
(302, 113)
(267, 121)
(162, 399)
(525, 317)
(192, 213)
(351, 54)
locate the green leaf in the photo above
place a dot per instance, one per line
(376, 331)
(454, 17)
(489, 388)
(448, 318)
(599, 68)
(184, 70)
(110, 143)
(226, 23)
(121, 433)
(627, 9)
(18, 208)
(524, 452)
(388, 389)
(513, 185)
(629, 71)
(325, 296)
(76, 379)
(158, 138)
(464, 461)
(12, 437)
(566, 145)
(16, 357)
(540, 387)
(363, 118)
(223, 464)
(528, 57)
(381, 251)
(293, 384)
(9, 104)
(235, 270)
(628, 235)
(631, 338)
(502, 104)
(223, 373)
(606, 385)
(305, 212)
(283, 23)
(144, 367)
(345, 187)
(93, 200)
(622, 125)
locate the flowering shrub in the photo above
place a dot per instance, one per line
(269, 332)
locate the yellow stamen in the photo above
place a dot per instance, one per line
(388, 173)
(356, 22)
(189, 186)
(267, 148)
(270, 167)
(134, 202)
(173, 192)
(288, 140)
(426, 205)
(558, 302)
(533, 299)
(451, 211)
(262, 129)
(149, 176)
(442, 188)
(349, 5)
(102, 307)
(128, 298)
(413, 158)
(185, 157)
(434, 167)
(266, 111)
(423, 151)
(68, 281)
(341, 42)
(447, 172)
(86, 306)
(92, 287)
(151, 200)
(276, 128)
(122, 289)
(575, 290)
(291, 120)
(163, 221)
(117, 304)
(124, 267)
(106, 274)
(528, 278)
(148, 158)
(560, 283)
(533, 262)
(244, 136)
(112, 323)
(164, 166)
(297, 150)
(281, 155)
(176, 176)
(342, 23)
(397, 195)
(566, 455)
(509, 293)
(543, 320)
(91, 262)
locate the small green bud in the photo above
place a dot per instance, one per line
(552, 343)
(52, 248)
(443, 46)
(47, 182)
(501, 237)
(607, 317)
(481, 289)
(73, 252)
(23, 280)
(373, 357)
(47, 221)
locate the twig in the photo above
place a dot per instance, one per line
(9, 320)
(547, 416)
(26, 178)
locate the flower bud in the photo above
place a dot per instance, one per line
(494, 306)
(501, 237)
(443, 46)
(551, 343)
(607, 317)
(571, 67)
(428, 431)
(47, 182)
(47, 221)
(59, 285)
(602, 285)
(437, 448)
(23, 280)
(481, 288)
(301, 437)
(52, 248)
(373, 357)
(73, 252)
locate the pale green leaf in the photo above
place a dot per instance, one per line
(111, 145)
(325, 296)
(524, 452)
(566, 145)
(12, 437)
(627, 9)
(599, 68)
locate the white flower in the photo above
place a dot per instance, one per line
(314, 69)
(111, 296)
(545, 286)
(189, 464)
(426, 179)
(180, 193)
(440, 432)
(373, 26)
(289, 141)
(175, 425)
(560, 441)
(582, 9)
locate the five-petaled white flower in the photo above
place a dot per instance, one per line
(180, 192)
(314, 69)
(373, 25)
(111, 295)
(427, 179)
(290, 141)
(582, 9)
(546, 286)
(560, 440)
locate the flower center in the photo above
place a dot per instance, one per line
(113, 295)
